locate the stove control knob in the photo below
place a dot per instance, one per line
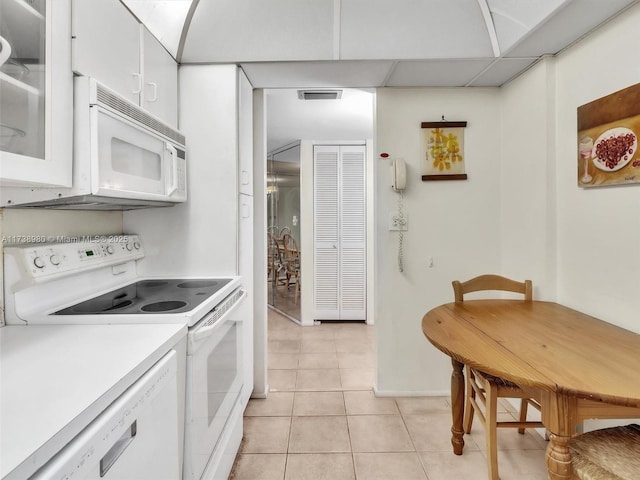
(129, 247)
(54, 259)
(136, 245)
(109, 249)
(38, 262)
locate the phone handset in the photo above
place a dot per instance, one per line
(399, 220)
(398, 175)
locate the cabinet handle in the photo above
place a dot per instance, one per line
(138, 78)
(154, 87)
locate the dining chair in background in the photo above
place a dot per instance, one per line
(292, 263)
(483, 389)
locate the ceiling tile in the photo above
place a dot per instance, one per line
(164, 19)
(412, 29)
(437, 73)
(317, 74)
(512, 20)
(501, 71)
(566, 26)
(249, 30)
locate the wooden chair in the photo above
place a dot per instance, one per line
(273, 259)
(283, 231)
(482, 389)
(292, 263)
(607, 454)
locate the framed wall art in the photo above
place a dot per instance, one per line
(443, 150)
(607, 146)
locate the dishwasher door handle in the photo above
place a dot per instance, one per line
(111, 457)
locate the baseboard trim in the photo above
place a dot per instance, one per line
(263, 395)
(411, 393)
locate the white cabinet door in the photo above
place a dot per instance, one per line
(35, 125)
(339, 233)
(106, 45)
(245, 134)
(160, 80)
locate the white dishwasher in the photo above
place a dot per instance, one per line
(135, 438)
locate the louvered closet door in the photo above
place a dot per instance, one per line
(339, 233)
(325, 241)
(352, 252)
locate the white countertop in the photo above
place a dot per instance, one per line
(54, 380)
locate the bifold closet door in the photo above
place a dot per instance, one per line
(339, 232)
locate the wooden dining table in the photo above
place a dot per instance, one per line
(581, 366)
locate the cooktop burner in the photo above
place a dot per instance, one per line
(150, 296)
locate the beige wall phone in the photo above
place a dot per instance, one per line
(398, 220)
(398, 175)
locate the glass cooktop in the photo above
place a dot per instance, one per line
(150, 296)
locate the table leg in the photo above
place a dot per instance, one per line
(457, 406)
(559, 417)
(558, 458)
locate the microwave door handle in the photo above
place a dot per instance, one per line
(173, 153)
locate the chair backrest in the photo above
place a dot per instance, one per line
(272, 246)
(284, 231)
(291, 252)
(492, 282)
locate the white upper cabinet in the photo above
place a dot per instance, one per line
(110, 45)
(36, 93)
(160, 80)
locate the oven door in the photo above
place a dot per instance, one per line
(214, 383)
(135, 162)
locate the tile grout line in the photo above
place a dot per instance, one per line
(415, 449)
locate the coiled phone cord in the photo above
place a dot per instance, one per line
(401, 231)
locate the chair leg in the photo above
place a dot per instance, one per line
(491, 430)
(295, 298)
(524, 405)
(468, 406)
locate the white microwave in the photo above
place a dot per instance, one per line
(123, 157)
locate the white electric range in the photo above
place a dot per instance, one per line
(94, 280)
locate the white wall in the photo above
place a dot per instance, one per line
(596, 231)
(599, 228)
(528, 186)
(520, 213)
(206, 223)
(260, 386)
(455, 222)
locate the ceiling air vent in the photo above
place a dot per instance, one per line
(319, 94)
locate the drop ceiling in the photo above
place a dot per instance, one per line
(373, 43)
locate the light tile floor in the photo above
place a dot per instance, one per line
(322, 421)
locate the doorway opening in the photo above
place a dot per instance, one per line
(293, 126)
(284, 288)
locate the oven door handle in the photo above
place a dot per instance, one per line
(205, 332)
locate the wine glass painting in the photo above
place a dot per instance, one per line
(608, 130)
